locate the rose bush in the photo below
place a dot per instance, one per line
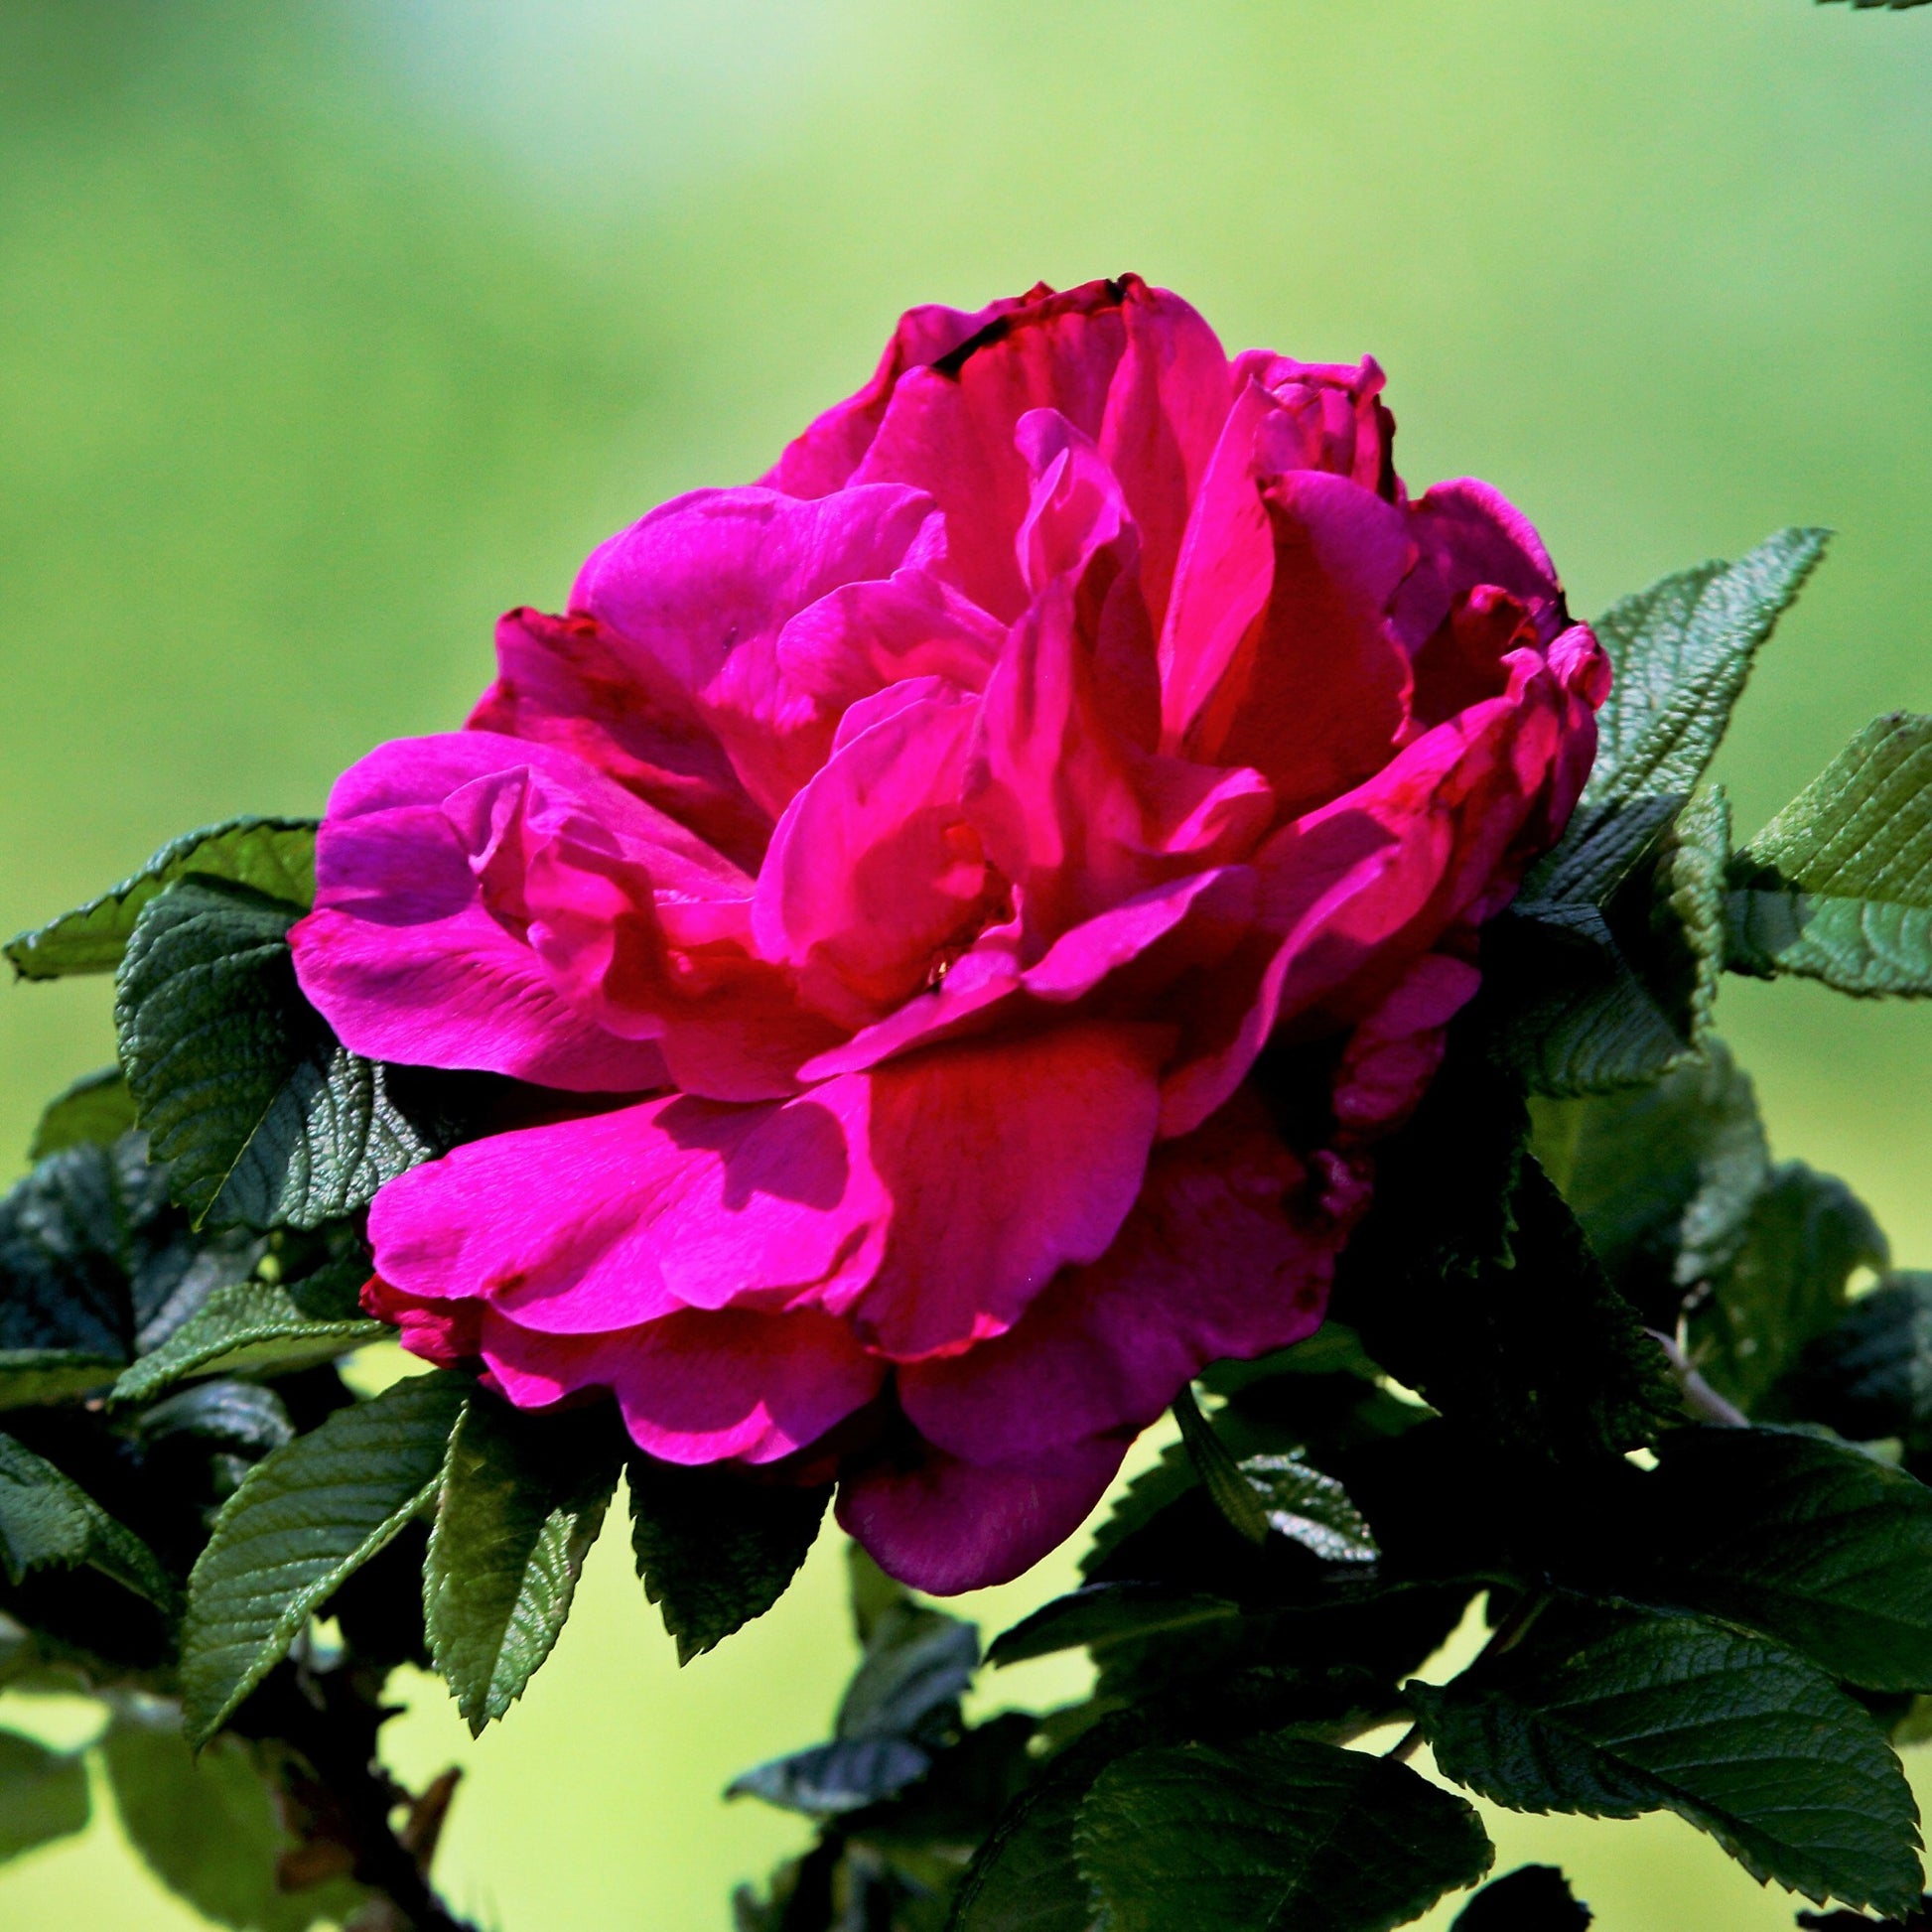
(903, 864)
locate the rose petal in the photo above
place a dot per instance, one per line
(943, 1526)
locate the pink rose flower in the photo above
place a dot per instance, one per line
(905, 860)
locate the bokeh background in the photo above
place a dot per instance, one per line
(330, 327)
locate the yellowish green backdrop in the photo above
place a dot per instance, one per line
(329, 328)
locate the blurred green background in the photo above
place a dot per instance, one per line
(327, 331)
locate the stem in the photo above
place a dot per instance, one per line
(1699, 1396)
(338, 1798)
(1503, 1638)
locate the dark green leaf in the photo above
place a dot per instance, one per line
(77, 1237)
(250, 1327)
(239, 1413)
(206, 1826)
(1839, 886)
(275, 856)
(1663, 1179)
(95, 1111)
(714, 1548)
(917, 1664)
(263, 1116)
(1107, 1613)
(521, 1502)
(1613, 985)
(842, 1776)
(1808, 1234)
(1519, 1335)
(1237, 1498)
(1532, 1899)
(1027, 1877)
(47, 1519)
(1618, 1713)
(1872, 1374)
(43, 1794)
(1682, 650)
(1275, 1834)
(1806, 1538)
(304, 1519)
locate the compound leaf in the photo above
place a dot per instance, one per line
(1269, 1834)
(47, 1519)
(263, 1116)
(275, 856)
(1805, 1539)
(304, 1519)
(1616, 1713)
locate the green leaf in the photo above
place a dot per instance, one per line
(251, 1328)
(1808, 1234)
(1307, 1508)
(1274, 1833)
(1803, 1538)
(1682, 650)
(303, 1520)
(241, 1414)
(1663, 1180)
(1896, 6)
(1839, 886)
(521, 1502)
(1872, 1374)
(43, 1794)
(47, 1519)
(95, 1111)
(1614, 1713)
(1235, 1496)
(1608, 973)
(715, 1549)
(1519, 1336)
(206, 1826)
(1027, 1876)
(1102, 1614)
(275, 856)
(32, 1377)
(263, 1116)
(1532, 1899)
(847, 1775)
(917, 1665)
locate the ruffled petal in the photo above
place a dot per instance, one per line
(874, 872)
(1228, 1253)
(692, 1388)
(573, 683)
(419, 950)
(706, 585)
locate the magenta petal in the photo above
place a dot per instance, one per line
(1222, 1256)
(945, 1526)
(707, 584)
(1036, 1146)
(573, 683)
(872, 871)
(609, 1221)
(700, 1386)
